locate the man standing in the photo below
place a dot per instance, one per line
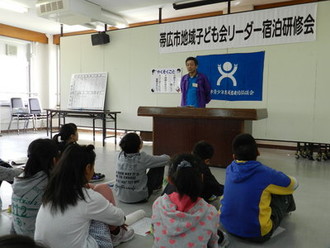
(195, 86)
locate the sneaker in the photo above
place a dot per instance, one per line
(122, 236)
(98, 174)
(97, 177)
(223, 239)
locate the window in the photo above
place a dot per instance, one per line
(14, 69)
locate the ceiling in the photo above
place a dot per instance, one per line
(133, 11)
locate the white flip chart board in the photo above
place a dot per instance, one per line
(87, 91)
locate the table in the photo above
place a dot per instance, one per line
(104, 115)
(177, 129)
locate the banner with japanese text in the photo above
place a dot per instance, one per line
(166, 80)
(256, 28)
(234, 77)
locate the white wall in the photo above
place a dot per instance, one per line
(295, 91)
(40, 72)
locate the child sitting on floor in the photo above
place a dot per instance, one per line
(256, 197)
(7, 173)
(74, 215)
(133, 183)
(69, 135)
(212, 189)
(183, 218)
(28, 188)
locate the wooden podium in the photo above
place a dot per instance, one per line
(177, 129)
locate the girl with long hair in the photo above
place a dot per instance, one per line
(28, 188)
(74, 215)
(67, 136)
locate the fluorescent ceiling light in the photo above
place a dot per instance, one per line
(13, 6)
(100, 27)
(120, 26)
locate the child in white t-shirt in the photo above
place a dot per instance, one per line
(74, 215)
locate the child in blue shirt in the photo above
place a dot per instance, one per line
(256, 197)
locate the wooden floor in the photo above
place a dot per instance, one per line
(307, 227)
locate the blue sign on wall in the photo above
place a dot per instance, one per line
(234, 77)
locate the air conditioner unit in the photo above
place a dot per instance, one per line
(76, 12)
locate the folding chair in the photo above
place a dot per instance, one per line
(36, 111)
(19, 112)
